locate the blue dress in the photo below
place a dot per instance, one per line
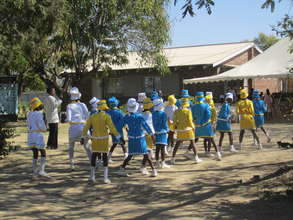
(201, 113)
(136, 133)
(259, 109)
(224, 121)
(117, 116)
(160, 123)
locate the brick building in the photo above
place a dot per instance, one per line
(184, 63)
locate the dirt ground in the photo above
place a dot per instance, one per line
(210, 190)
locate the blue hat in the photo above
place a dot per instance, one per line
(154, 95)
(199, 96)
(184, 93)
(113, 102)
(255, 94)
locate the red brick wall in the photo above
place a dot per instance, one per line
(242, 58)
(273, 85)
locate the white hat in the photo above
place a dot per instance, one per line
(229, 95)
(158, 104)
(209, 94)
(74, 93)
(132, 105)
(93, 100)
(141, 96)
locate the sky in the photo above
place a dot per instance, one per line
(230, 21)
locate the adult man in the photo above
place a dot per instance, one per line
(51, 105)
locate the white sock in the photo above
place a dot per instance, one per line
(106, 171)
(43, 164)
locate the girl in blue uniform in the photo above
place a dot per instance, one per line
(117, 117)
(201, 113)
(224, 122)
(136, 138)
(259, 110)
(160, 123)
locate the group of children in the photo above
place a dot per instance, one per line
(151, 125)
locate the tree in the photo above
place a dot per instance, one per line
(62, 40)
(265, 41)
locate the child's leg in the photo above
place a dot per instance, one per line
(197, 160)
(241, 134)
(93, 166)
(178, 143)
(71, 153)
(221, 139)
(256, 138)
(205, 146)
(35, 161)
(209, 144)
(158, 147)
(219, 156)
(125, 162)
(43, 163)
(106, 168)
(146, 158)
(162, 153)
(87, 149)
(266, 133)
(111, 151)
(230, 134)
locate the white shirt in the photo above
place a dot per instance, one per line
(149, 120)
(36, 125)
(77, 112)
(51, 105)
(170, 110)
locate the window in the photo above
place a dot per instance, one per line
(151, 83)
(114, 86)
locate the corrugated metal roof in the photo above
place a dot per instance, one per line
(275, 62)
(213, 54)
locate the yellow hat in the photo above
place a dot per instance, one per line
(172, 100)
(147, 104)
(243, 93)
(35, 103)
(102, 105)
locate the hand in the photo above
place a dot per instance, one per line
(82, 141)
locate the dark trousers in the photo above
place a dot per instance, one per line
(53, 136)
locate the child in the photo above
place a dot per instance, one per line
(140, 97)
(136, 138)
(202, 114)
(101, 123)
(117, 117)
(224, 122)
(170, 109)
(245, 110)
(184, 128)
(259, 108)
(93, 102)
(36, 125)
(160, 123)
(209, 100)
(77, 114)
(147, 116)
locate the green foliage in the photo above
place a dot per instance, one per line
(265, 41)
(64, 39)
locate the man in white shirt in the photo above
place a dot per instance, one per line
(51, 105)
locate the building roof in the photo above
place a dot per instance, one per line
(275, 62)
(212, 54)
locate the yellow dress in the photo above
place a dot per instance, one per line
(101, 123)
(183, 124)
(246, 111)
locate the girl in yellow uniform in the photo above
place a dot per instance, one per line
(245, 110)
(101, 123)
(184, 128)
